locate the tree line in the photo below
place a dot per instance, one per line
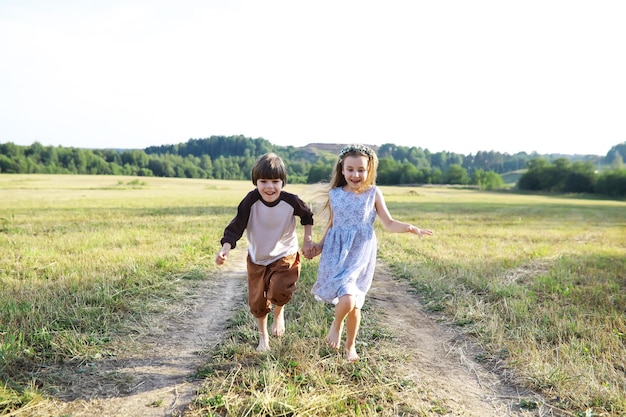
(232, 157)
(565, 177)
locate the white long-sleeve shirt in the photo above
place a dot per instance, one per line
(270, 227)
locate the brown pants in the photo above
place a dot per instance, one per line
(272, 284)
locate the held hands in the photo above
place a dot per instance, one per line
(418, 231)
(310, 250)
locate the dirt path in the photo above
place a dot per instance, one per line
(441, 360)
(152, 381)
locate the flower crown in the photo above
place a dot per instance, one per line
(355, 148)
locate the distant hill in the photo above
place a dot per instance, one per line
(333, 148)
(512, 177)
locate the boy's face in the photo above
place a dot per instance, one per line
(269, 188)
(355, 171)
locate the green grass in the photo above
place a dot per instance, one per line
(84, 258)
(302, 375)
(538, 280)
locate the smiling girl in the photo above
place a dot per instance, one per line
(348, 247)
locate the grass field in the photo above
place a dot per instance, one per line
(540, 281)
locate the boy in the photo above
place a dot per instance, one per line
(268, 215)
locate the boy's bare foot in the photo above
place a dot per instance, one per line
(264, 338)
(334, 335)
(264, 344)
(278, 326)
(351, 355)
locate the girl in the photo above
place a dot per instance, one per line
(348, 246)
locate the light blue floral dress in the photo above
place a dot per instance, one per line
(349, 254)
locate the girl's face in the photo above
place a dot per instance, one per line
(269, 188)
(354, 170)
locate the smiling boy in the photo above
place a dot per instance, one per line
(267, 214)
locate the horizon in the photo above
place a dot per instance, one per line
(318, 144)
(539, 76)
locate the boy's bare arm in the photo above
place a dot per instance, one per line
(307, 243)
(308, 234)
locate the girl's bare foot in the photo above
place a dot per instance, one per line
(278, 327)
(351, 355)
(334, 335)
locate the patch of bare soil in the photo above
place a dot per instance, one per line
(442, 361)
(151, 378)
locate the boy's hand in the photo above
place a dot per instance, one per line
(222, 255)
(310, 250)
(306, 249)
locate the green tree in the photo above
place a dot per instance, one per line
(388, 171)
(319, 172)
(409, 174)
(436, 176)
(457, 175)
(488, 181)
(612, 183)
(531, 180)
(580, 178)
(206, 165)
(11, 150)
(8, 165)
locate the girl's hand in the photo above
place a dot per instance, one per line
(311, 250)
(418, 231)
(317, 250)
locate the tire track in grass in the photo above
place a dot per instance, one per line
(153, 380)
(441, 360)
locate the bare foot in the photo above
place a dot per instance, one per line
(351, 355)
(278, 327)
(334, 335)
(264, 344)
(264, 338)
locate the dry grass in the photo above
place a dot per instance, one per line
(86, 257)
(538, 280)
(302, 376)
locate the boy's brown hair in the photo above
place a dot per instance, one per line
(271, 167)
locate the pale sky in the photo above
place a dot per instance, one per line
(460, 76)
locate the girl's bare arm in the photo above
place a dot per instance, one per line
(392, 225)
